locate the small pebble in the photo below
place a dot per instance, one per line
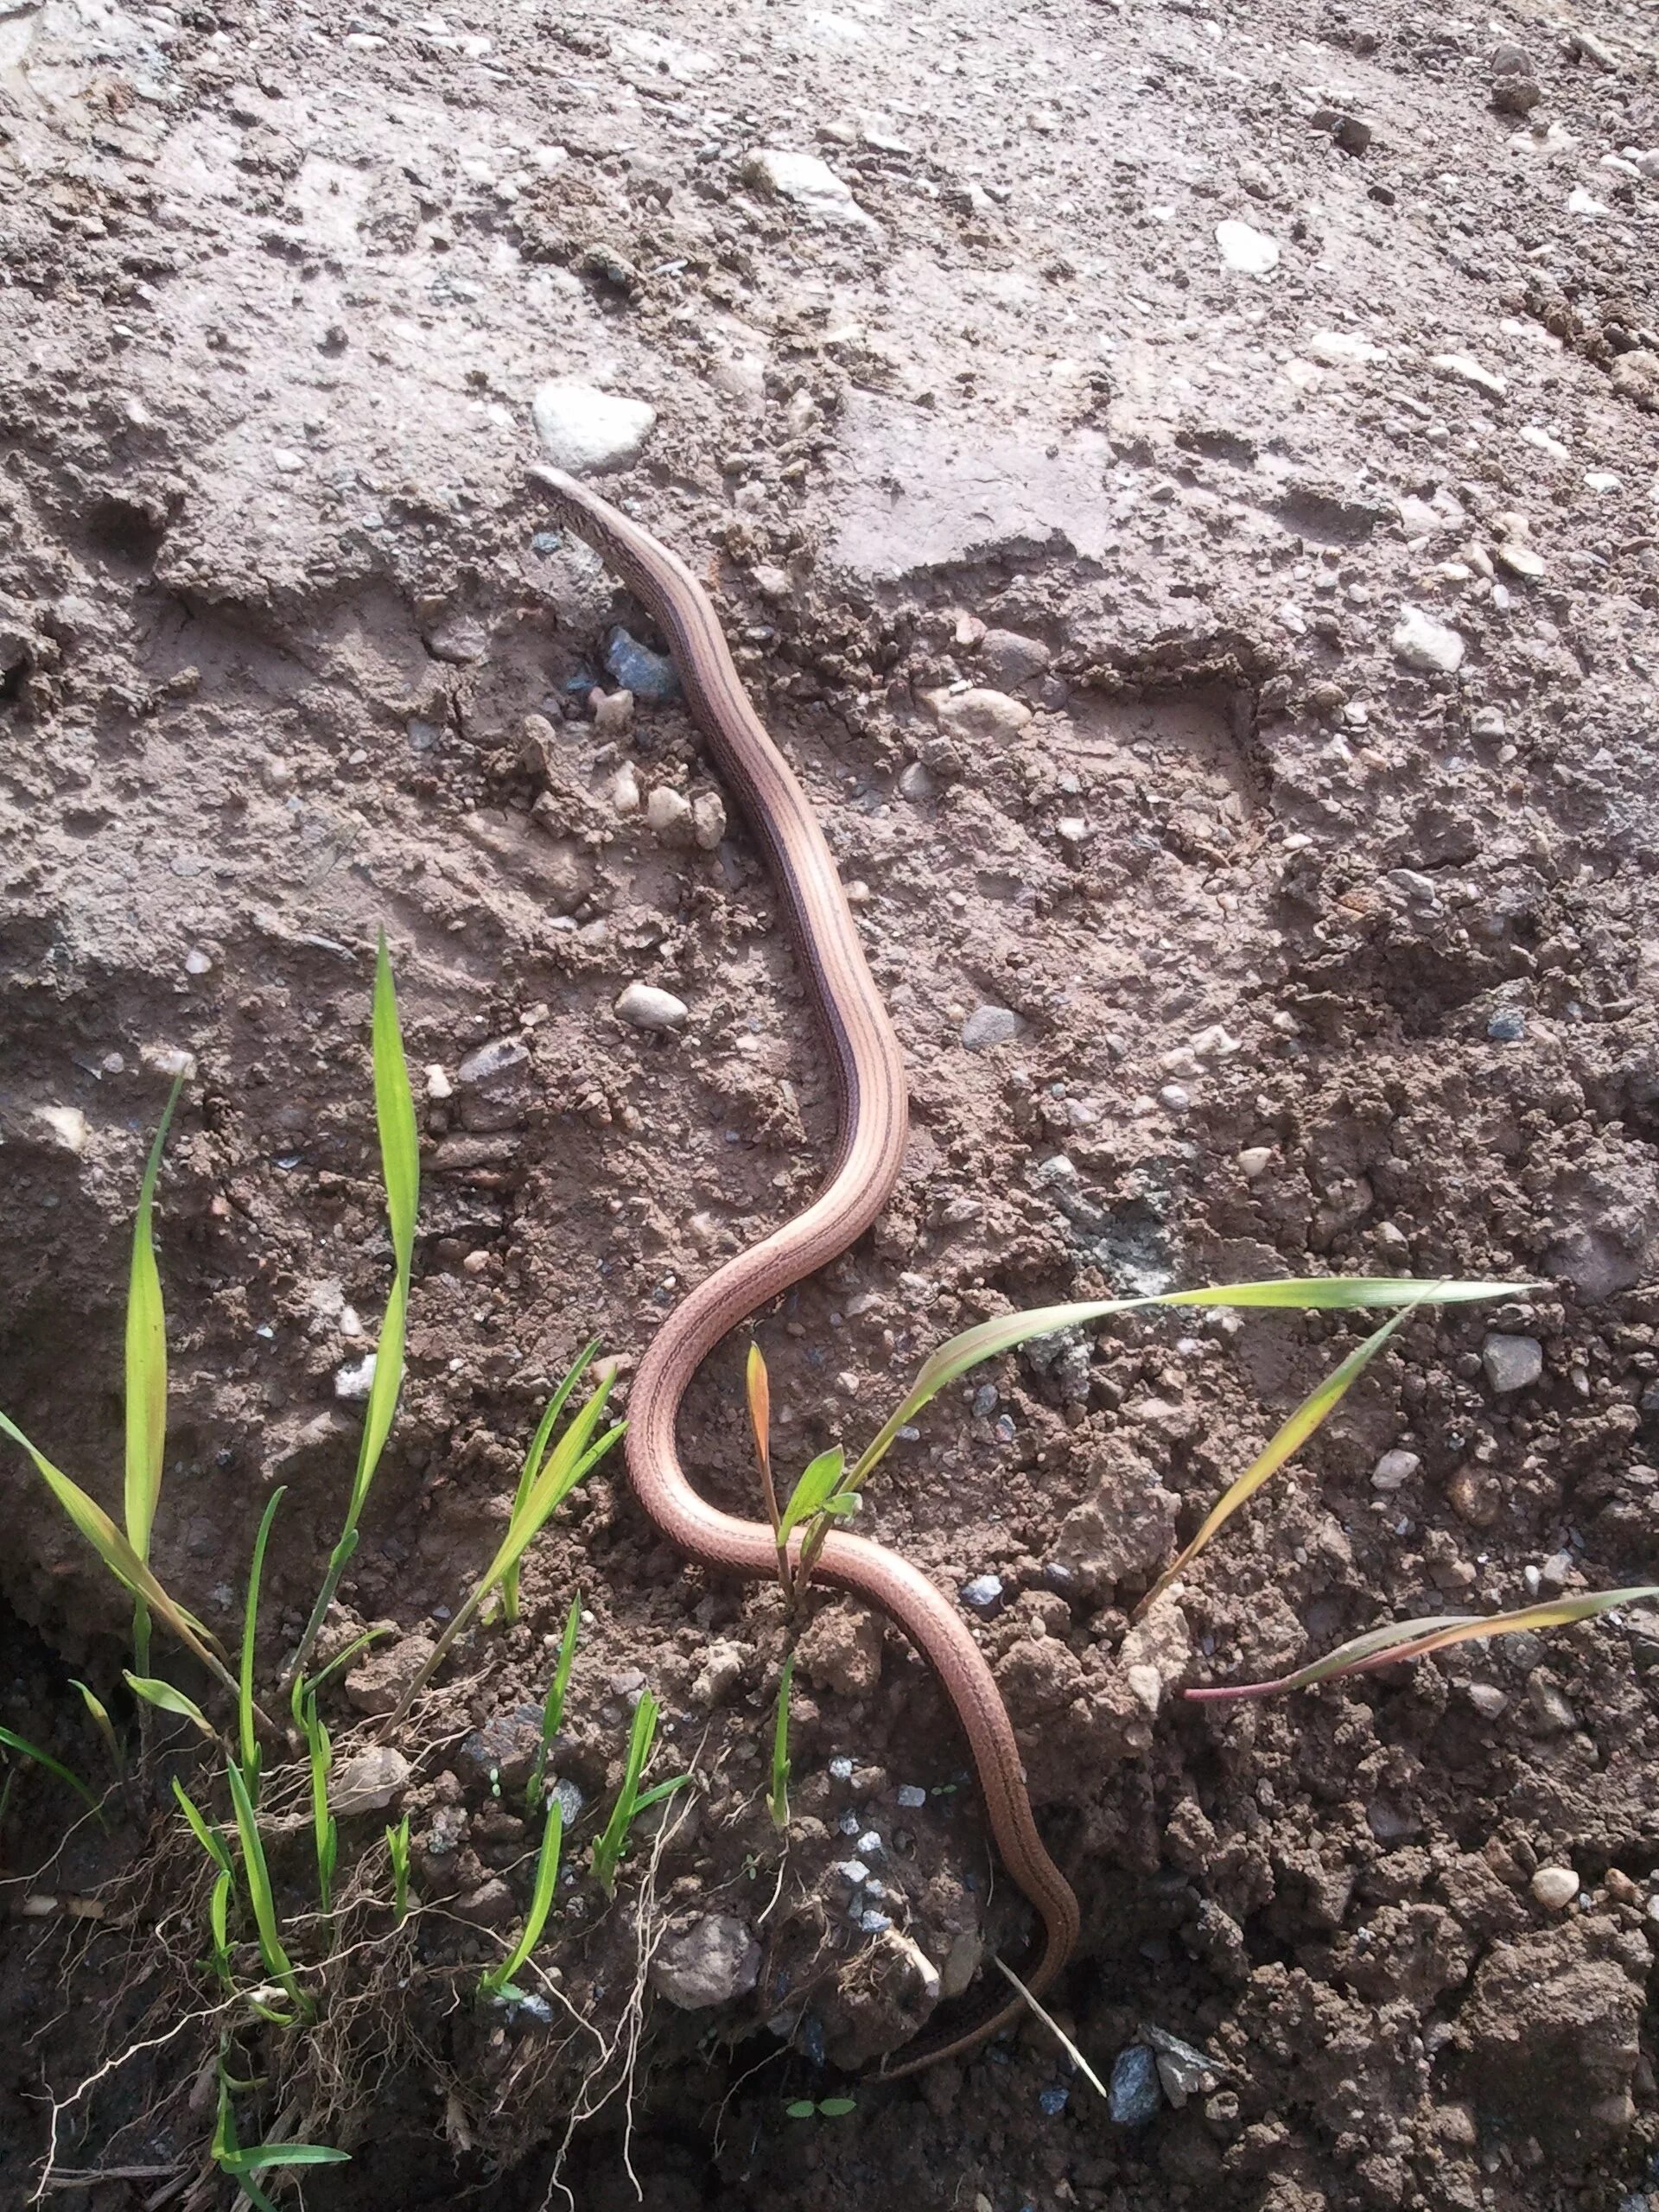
(1136, 2093)
(625, 788)
(1424, 644)
(868, 1845)
(646, 674)
(987, 1026)
(1394, 1469)
(1054, 2100)
(841, 1769)
(982, 1592)
(854, 1871)
(645, 1008)
(353, 1381)
(1554, 1887)
(1254, 1161)
(1507, 1027)
(668, 813)
(613, 713)
(1244, 248)
(583, 429)
(808, 184)
(1511, 1362)
(909, 1793)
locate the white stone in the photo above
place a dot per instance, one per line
(1580, 202)
(1394, 1469)
(1423, 643)
(1536, 436)
(1511, 1362)
(1554, 1887)
(368, 1782)
(645, 1008)
(625, 790)
(810, 184)
(355, 1380)
(1603, 480)
(1467, 370)
(1521, 560)
(1338, 349)
(1254, 1161)
(64, 1125)
(669, 814)
(708, 820)
(707, 1962)
(584, 430)
(1244, 248)
(438, 1085)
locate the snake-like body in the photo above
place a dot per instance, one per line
(870, 1078)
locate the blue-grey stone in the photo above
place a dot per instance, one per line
(1052, 2100)
(982, 1592)
(1137, 2094)
(1507, 1027)
(647, 675)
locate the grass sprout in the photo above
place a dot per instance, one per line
(209, 1838)
(100, 1718)
(166, 1699)
(1286, 1444)
(1385, 1647)
(631, 1802)
(25, 1750)
(247, 1736)
(219, 1928)
(261, 1895)
(553, 1707)
(305, 1687)
(986, 1339)
(146, 1379)
(778, 1795)
(400, 1164)
(564, 1466)
(497, 1982)
(814, 2107)
(757, 1385)
(397, 1847)
(536, 1457)
(241, 2165)
(325, 1828)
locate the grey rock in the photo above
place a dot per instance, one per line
(1247, 250)
(720, 1673)
(987, 1026)
(643, 1007)
(982, 1592)
(1507, 1027)
(911, 1795)
(1184, 2071)
(977, 717)
(504, 1748)
(1511, 1362)
(490, 1905)
(1136, 2095)
(368, 1782)
(1426, 645)
(646, 674)
(1010, 660)
(918, 784)
(503, 1056)
(584, 430)
(705, 1961)
(668, 813)
(808, 184)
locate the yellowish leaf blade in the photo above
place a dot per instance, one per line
(146, 1353)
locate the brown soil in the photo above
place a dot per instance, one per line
(1321, 961)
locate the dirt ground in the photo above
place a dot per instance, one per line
(1183, 491)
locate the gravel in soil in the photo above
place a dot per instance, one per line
(1180, 484)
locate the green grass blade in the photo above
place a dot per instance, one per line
(1401, 1640)
(146, 1375)
(123, 1563)
(400, 1166)
(166, 1699)
(247, 1736)
(261, 1895)
(778, 1796)
(210, 1839)
(261, 2157)
(1320, 1294)
(24, 1748)
(553, 1709)
(607, 1852)
(547, 1875)
(324, 1829)
(398, 1848)
(100, 1717)
(812, 1493)
(1289, 1440)
(534, 1458)
(218, 1924)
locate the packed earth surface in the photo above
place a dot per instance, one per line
(1181, 485)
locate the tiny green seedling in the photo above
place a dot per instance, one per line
(247, 1736)
(397, 1847)
(260, 1895)
(820, 2107)
(758, 1383)
(498, 1981)
(563, 1467)
(325, 1828)
(400, 1163)
(778, 1795)
(166, 1699)
(553, 1709)
(25, 1750)
(630, 1801)
(100, 1720)
(534, 1460)
(242, 2164)
(146, 1379)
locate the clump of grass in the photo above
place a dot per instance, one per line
(778, 1794)
(563, 1467)
(400, 1165)
(630, 1802)
(553, 1706)
(535, 1459)
(241, 2166)
(398, 1848)
(1415, 1639)
(497, 1982)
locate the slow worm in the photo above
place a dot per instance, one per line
(870, 1078)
